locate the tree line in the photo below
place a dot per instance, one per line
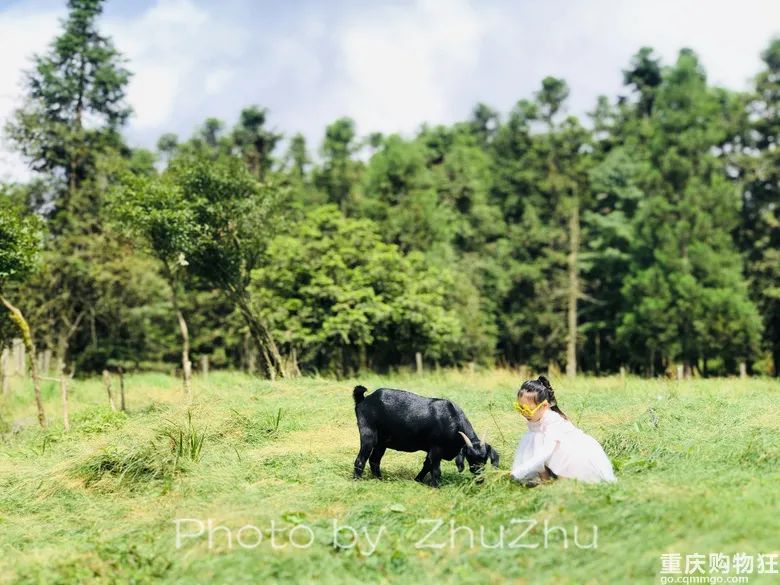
(644, 236)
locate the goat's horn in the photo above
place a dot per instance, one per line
(466, 440)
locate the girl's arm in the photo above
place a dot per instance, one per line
(530, 468)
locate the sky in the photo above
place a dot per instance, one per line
(389, 65)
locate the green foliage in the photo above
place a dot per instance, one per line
(759, 227)
(20, 242)
(253, 141)
(75, 104)
(339, 171)
(685, 297)
(155, 211)
(332, 289)
(226, 218)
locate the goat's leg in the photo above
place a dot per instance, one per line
(425, 469)
(435, 471)
(367, 442)
(375, 459)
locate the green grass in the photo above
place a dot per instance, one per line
(698, 466)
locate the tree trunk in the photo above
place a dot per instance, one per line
(186, 365)
(24, 327)
(263, 338)
(250, 353)
(574, 290)
(652, 362)
(598, 353)
(64, 336)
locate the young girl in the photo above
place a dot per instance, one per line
(553, 446)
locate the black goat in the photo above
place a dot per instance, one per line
(400, 420)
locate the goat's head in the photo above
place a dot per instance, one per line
(476, 453)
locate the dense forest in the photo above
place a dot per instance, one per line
(645, 236)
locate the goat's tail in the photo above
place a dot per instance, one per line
(358, 393)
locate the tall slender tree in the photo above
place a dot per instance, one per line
(68, 131)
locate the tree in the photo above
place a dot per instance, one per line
(644, 76)
(563, 162)
(68, 131)
(167, 144)
(215, 216)
(609, 224)
(343, 300)
(81, 78)
(253, 141)
(154, 211)
(339, 171)
(484, 123)
(686, 296)
(20, 241)
(297, 158)
(759, 229)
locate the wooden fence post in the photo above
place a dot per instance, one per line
(122, 404)
(743, 370)
(64, 394)
(107, 384)
(18, 356)
(47, 361)
(204, 366)
(5, 366)
(418, 360)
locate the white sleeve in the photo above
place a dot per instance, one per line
(528, 469)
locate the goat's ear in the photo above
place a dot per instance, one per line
(493, 454)
(459, 460)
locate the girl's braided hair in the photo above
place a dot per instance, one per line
(543, 390)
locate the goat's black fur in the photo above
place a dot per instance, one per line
(400, 420)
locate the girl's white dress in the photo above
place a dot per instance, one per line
(567, 451)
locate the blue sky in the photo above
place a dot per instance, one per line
(390, 65)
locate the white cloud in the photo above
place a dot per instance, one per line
(390, 65)
(21, 35)
(177, 51)
(402, 63)
(216, 81)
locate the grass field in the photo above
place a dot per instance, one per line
(698, 466)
